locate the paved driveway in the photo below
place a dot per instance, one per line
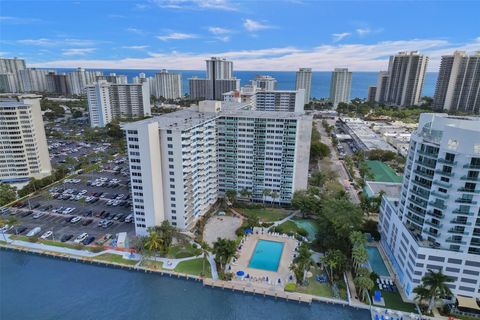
(221, 227)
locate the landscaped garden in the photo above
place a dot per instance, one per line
(194, 267)
(115, 258)
(393, 300)
(264, 214)
(183, 250)
(152, 264)
(290, 227)
(313, 286)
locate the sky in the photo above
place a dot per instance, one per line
(270, 35)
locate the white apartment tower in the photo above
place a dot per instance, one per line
(458, 84)
(304, 81)
(12, 66)
(435, 224)
(406, 75)
(33, 80)
(264, 82)
(79, 79)
(340, 86)
(113, 78)
(381, 87)
(168, 85)
(8, 83)
(219, 80)
(182, 162)
(107, 101)
(280, 100)
(23, 144)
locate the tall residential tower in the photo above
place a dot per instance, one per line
(304, 81)
(340, 86)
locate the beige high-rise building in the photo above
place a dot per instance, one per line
(406, 75)
(12, 66)
(458, 84)
(340, 86)
(168, 85)
(23, 144)
(304, 81)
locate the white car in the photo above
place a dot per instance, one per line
(38, 215)
(46, 235)
(75, 219)
(80, 238)
(34, 231)
(129, 218)
(82, 192)
(68, 210)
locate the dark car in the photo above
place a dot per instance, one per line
(66, 237)
(122, 218)
(36, 206)
(26, 213)
(68, 219)
(88, 240)
(87, 222)
(20, 229)
(100, 214)
(105, 215)
(110, 217)
(88, 213)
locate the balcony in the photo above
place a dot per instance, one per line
(445, 161)
(457, 241)
(423, 195)
(418, 202)
(463, 200)
(468, 190)
(461, 212)
(470, 178)
(436, 215)
(423, 174)
(444, 173)
(440, 195)
(426, 164)
(442, 183)
(463, 223)
(434, 225)
(433, 155)
(431, 233)
(437, 205)
(472, 166)
(456, 231)
(422, 185)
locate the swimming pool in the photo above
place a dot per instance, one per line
(376, 262)
(266, 255)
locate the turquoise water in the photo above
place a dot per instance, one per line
(266, 255)
(376, 262)
(309, 226)
(39, 288)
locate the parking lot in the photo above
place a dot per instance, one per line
(60, 150)
(95, 198)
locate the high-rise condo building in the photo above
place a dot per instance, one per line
(280, 100)
(182, 162)
(218, 81)
(304, 81)
(58, 83)
(380, 93)
(113, 78)
(107, 101)
(458, 84)
(340, 86)
(168, 85)
(79, 79)
(8, 83)
(23, 144)
(13, 65)
(264, 82)
(435, 223)
(406, 74)
(33, 80)
(371, 94)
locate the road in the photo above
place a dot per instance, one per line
(337, 164)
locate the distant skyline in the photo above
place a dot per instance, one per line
(256, 35)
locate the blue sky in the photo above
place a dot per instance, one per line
(256, 35)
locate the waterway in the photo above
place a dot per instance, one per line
(37, 287)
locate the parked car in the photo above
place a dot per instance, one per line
(87, 222)
(20, 229)
(26, 213)
(66, 237)
(46, 235)
(38, 215)
(68, 219)
(107, 224)
(80, 237)
(75, 219)
(34, 231)
(88, 240)
(129, 218)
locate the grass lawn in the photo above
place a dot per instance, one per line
(264, 214)
(314, 287)
(58, 244)
(393, 300)
(290, 227)
(183, 251)
(110, 257)
(194, 267)
(152, 264)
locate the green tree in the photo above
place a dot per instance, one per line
(231, 195)
(7, 194)
(224, 250)
(165, 233)
(335, 263)
(266, 193)
(434, 286)
(302, 263)
(274, 195)
(153, 242)
(363, 284)
(318, 179)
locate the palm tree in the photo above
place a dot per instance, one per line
(360, 256)
(166, 232)
(266, 192)
(224, 250)
(231, 195)
(334, 262)
(205, 251)
(363, 284)
(434, 287)
(153, 243)
(274, 195)
(303, 263)
(357, 238)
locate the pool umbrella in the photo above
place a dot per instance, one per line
(248, 231)
(376, 317)
(240, 273)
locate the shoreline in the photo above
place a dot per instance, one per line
(214, 284)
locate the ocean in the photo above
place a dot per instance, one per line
(285, 79)
(39, 288)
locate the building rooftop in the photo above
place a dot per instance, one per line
(382, 172)
(391, 189)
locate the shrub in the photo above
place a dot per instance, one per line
(290, 287)
(33, 239)
(302, 232)
(96, 249)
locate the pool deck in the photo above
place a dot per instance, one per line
(258, 276)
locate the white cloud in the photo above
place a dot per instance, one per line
(135, 31)
(18, 20)
(141, 6)
(47, 42)
(219, 30)
(363, 31)
(357, 57)
(135, 47)
(77, 51)
(177, 36)
(197, 4)
(252, 25)
(340, 36)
